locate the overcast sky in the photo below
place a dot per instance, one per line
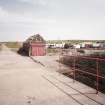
(53, 19)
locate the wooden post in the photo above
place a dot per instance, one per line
(30, 50)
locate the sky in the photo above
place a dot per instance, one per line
(53, 19)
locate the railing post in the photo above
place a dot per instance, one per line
(60, 52)
(97, 76)
(74, 71)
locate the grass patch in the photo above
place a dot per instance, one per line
(51, 50)
(13, 44)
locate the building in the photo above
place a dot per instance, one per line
(35, 46)
(86, 45)
(101, 43)
(77, 46)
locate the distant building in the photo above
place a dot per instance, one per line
(77, 46)
(35, 46)
(48, 45)
(96, 45)
(86, 45)
(101, 43)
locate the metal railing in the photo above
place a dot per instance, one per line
(76, 67)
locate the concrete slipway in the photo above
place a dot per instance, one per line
(24, 82)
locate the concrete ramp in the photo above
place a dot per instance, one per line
(24, 82)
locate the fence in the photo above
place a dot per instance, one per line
(90, 67)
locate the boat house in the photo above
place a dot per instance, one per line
(35, 46)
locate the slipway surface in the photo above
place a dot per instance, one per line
(24, 82)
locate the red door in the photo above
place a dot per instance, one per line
(38, 51)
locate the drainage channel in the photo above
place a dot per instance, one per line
(70, 95)
(62, 90)
(37, 61)
(77, 90)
